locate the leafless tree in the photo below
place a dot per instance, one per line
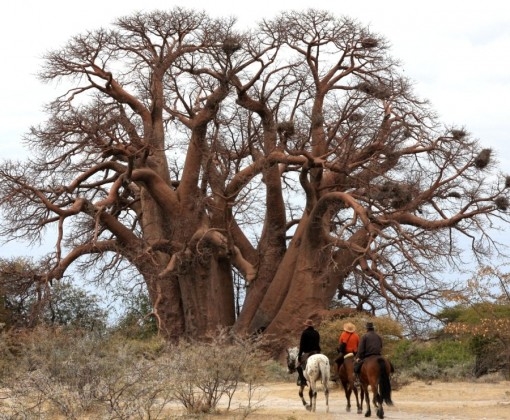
(295, 154)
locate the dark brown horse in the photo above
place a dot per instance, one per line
(346, 376)
(375, 372)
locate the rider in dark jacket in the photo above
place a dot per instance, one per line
(370, 345)
(308, 344)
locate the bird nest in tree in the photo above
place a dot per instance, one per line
(483, 158)
(286, 127)
(231, 45)
(378, 91)
(369, 42)
(501, 203)
(458, 134)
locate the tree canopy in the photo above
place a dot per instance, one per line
(295, 154)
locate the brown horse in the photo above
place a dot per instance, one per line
(375, 372)
(346, 376)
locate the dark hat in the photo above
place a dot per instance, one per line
(308, 323)
(370, 326)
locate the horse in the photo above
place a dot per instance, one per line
(375, 372)
(317, 368)
(346, 376)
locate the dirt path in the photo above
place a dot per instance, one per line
(433, 401)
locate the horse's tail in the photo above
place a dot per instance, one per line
(384, 382)
(325, 372)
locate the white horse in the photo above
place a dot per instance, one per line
(317, 368)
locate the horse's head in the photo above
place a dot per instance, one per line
(292, 359)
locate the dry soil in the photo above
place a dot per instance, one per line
(418, 400)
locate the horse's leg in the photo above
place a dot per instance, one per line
(301, 388)
(354, 389)
(347, 391)
(326, 393)
(350, 386)
(368, 413)
(361, 398)
(364, 396)
(378, 405)
(377, 399)
(344, 378)
(380, 412)
(313, 397)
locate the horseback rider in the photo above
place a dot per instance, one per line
(370, 345)
(309, 344)
(348, 342)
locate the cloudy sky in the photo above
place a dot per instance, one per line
(457, 52)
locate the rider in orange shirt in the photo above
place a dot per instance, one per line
(348, 342)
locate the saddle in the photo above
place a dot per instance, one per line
(305, 356)
(340, 359)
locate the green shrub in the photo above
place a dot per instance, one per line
(434, 359)
(475, 313)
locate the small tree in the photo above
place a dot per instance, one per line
(137, 320)
(68, 305)
(484, 320)
(19, 287)
(28, 301)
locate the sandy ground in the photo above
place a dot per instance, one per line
(418, 400)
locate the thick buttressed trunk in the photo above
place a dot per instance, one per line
(299, 288)
(207, 295)
(194, 300)
(191, 287)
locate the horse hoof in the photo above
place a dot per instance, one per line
(308, 408)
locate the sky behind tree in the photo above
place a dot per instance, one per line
(457, 52)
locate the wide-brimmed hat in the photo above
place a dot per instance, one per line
(370, 326)
(349, 327)
(308, 323)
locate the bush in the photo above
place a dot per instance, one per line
(64, 372)
(445, 359)
(209, 371)
(55, 372)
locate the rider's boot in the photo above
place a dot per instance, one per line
(301, 381)
(336, 376)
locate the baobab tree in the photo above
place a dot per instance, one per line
(295, 155)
